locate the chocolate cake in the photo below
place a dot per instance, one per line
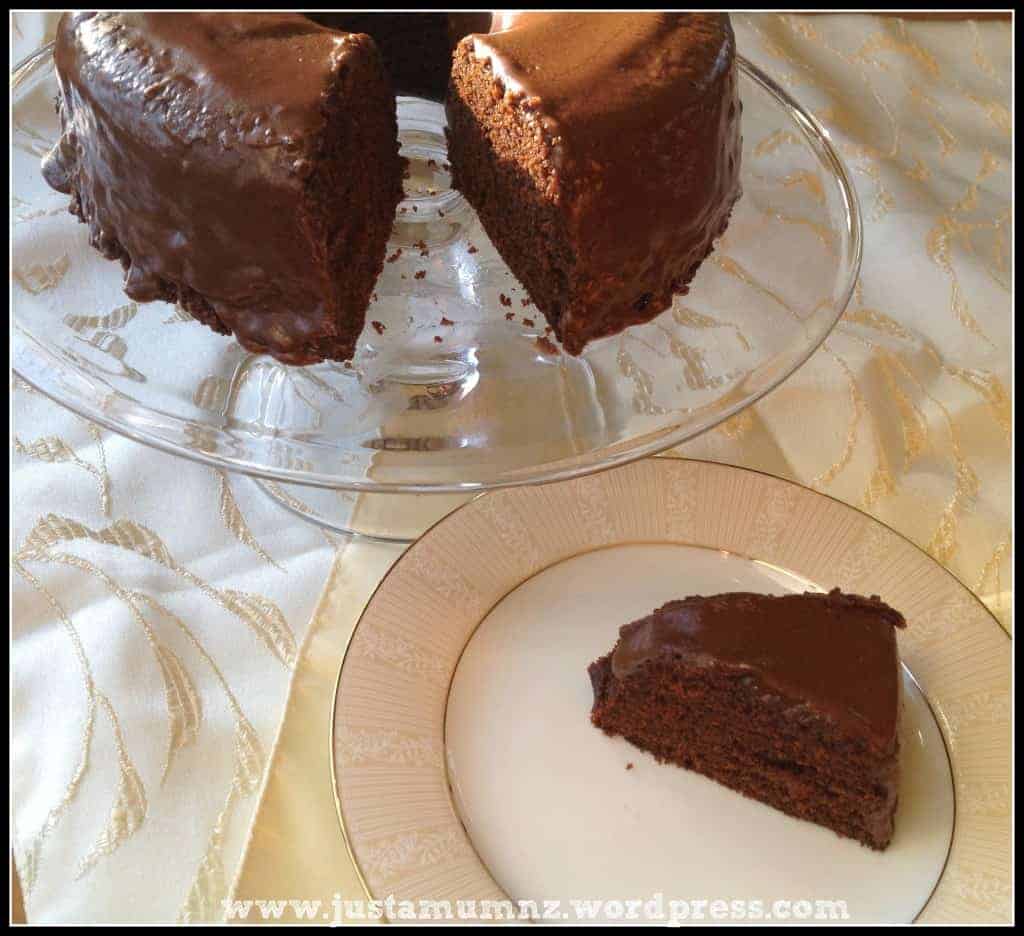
(243, 165)
(601, 152)
(792, 700)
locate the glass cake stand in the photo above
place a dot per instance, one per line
(456, 390)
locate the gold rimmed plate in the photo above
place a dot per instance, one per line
(466, 769)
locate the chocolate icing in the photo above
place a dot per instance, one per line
(838, 652)
(589, 70)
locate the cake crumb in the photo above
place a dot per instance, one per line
(403, 209)
(438, 339)
(446, 321)
(504, 300)
(378, 327)
(395, 255)
(629, 766)
(420, 274)
(471, 249)
(526, 302)
(432, 163)
(528, 322)
(547, 345)
(509, 316)
(414, 208)
(440, 213)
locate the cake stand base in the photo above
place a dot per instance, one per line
(389, 518)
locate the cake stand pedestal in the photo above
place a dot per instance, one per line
(390, 518)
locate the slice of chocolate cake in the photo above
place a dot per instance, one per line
(791, 700)
(602, 154)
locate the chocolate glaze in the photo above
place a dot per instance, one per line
(587, 69)
(187, 140)
(641, 118)
(836, 652)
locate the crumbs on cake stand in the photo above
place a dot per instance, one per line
(546, 345)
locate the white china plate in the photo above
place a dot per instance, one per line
(466, 767)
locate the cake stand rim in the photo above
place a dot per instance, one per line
(649, 444)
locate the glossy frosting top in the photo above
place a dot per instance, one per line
(220, 77)
(837, 652)
(582, 65)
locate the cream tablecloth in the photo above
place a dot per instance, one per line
(175, 646)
